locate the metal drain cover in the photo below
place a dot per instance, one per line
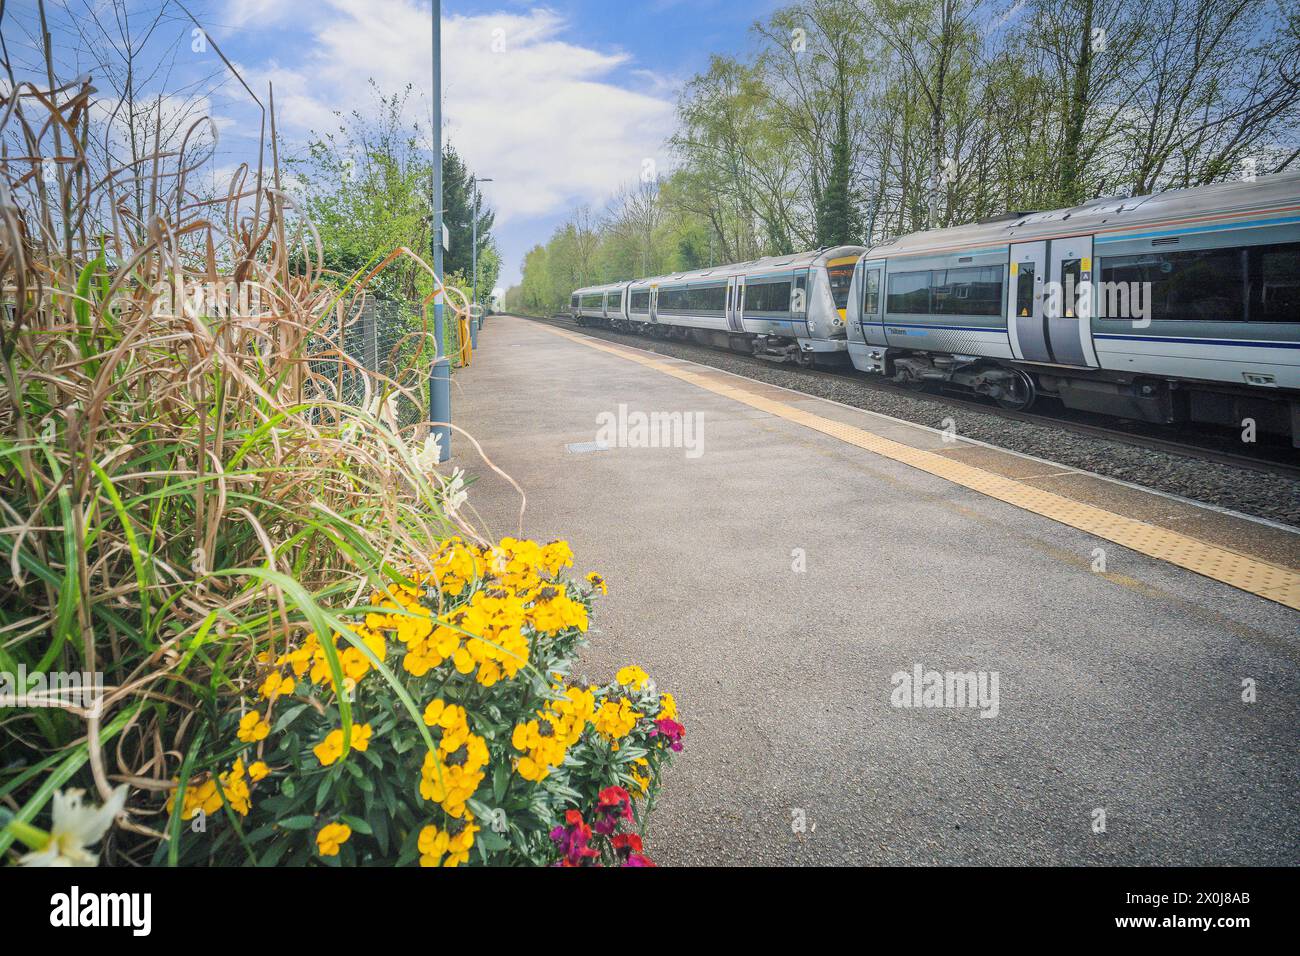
(583, 447)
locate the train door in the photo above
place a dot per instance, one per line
(736, 303)
(1026, 324)
(1070, 301)
(654, 303)
(872, 282)
(1049, 307)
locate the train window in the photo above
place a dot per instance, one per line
(1274, 279)
(871, 292)
(841, 278)
(909, 293)
(640, 302)
(711, 299)
(672, 300)
(1025, 289)
(768, 297)
(974, 290)
(1071, 274)
(1204, 285)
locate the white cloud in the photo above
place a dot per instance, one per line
(543, 116)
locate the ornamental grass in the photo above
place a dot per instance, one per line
(308, 651)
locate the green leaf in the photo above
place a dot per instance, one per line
(302, 822)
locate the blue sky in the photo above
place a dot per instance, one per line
(559, 102)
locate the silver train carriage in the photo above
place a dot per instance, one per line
(783, 308)
(1178, 307)
(596, 304)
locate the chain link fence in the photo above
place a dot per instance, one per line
(391, 338)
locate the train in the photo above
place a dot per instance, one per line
(783, 308)
(1179, 307)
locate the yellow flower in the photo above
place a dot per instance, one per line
(354, 663)
(543, 745)
(454, 842)
(206, 795)
(201, 796)
(236, 788)
(554, 610)
(454, 566)
(461, 838)
(330, 749)
(555, 556)
(616, 720)
(253, 728)
(275, 685)
(667, 707)
(258, 771)
(632, 676)
(597, 583)
(331, 837)
(361, 737)
(496, 615)
(432, 845)
(452, 773)
(642, 780)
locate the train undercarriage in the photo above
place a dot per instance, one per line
(1140, 398)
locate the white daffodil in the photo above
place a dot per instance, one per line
(75, 826)
(454, 493)
(427, 458)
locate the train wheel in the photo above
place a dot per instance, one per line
(1019, 392)
(909, 381)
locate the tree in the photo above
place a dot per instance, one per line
(838, 223)
(458, 195)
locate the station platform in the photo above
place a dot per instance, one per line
(791, 558)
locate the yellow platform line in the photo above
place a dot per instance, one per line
(1229, 567)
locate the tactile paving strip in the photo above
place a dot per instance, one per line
(1238, 570)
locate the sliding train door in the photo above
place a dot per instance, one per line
(1070, 301)
(1049, 306)
(1026, 325)
(736, 303)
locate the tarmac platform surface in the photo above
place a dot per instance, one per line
(779, 571)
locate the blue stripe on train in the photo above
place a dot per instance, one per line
(1169, 338)
(1002, 330)
(1216, 227)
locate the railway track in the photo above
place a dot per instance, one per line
(1273, 459)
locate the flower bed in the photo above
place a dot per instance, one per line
(480, 746)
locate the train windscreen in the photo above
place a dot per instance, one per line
(841, 277)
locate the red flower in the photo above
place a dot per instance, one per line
(614, 804)
(630, 842)
(614, 798)
(573, 841)
(671, 731)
